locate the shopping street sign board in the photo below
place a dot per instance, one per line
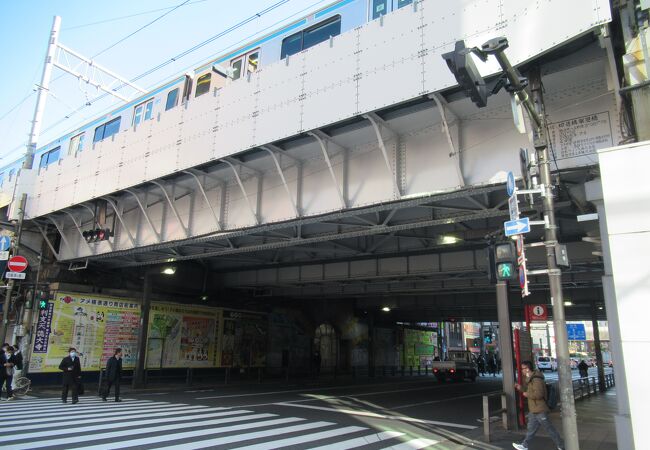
(576, 331)
(519, 226)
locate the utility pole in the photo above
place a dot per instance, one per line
(548, 340)
(507, 357)
(540, 141)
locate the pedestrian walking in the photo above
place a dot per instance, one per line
(534, 389)
(113, 375)
(583, 368)
(492, 365)
(18, 367)
(480, 362)
(71, 367)
(7, 364)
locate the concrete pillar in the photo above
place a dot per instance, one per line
(505, 347)
(138, 373)
(621, 197)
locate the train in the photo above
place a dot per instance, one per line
(301, 34)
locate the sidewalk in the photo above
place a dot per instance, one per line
(596, 427)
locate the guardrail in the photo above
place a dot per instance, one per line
(586, 386)
(492, 416)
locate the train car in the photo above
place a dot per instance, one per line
(233, 67)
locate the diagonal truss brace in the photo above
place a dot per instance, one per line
(331, 169)
(194, 175)
(120, 218)
(243, 190)
(146, 215)
(376, 121)
(284, 181)
(173, 207)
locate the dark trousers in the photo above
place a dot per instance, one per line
(8, 380)
(73, 386)
(541, 419)
(107, 390)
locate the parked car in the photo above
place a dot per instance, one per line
(546, 363)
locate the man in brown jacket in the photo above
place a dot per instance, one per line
(534, 389)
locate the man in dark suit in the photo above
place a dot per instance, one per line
(113, 374)
(71, 367)
(7, 363)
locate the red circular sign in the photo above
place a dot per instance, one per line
(17, 264)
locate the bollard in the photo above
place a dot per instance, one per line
(486, 418)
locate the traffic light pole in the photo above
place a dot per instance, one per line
(540, 141)
(507, 357)
(10, 284)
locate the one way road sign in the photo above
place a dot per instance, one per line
(519, 226)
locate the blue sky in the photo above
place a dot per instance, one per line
(90, 27)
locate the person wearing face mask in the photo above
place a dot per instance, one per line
(113, 374)
(534, 389)
(71, 367)
(7, 363)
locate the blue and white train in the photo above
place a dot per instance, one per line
(332, 20)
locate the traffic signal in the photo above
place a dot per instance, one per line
(97, 235)
(462, 65)
(505, 261)
(487, 336)
(41, 300)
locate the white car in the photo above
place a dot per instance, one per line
(546, 363)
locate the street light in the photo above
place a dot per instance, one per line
(385, 309)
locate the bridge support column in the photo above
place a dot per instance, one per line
(138, 373)
(505, 345)
(599, 352)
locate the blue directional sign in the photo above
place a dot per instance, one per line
(510, 184)
(519, 226)
(576, 331)
(5, 243)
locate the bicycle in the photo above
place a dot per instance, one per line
(22, 386)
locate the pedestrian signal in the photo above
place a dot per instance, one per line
(505, 260)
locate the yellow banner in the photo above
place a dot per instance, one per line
(95, 325)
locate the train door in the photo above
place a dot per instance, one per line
(245, 64)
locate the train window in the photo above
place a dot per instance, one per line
(291, 45)
(321, 32)
(12, 172)
(143, 111)
(311, 36)
(172, 99)
(252, 61)
(402, 3)
(50, 157)
(203, 84)
(76, 144)
(379, 8)
(107, 129)
(236, 65)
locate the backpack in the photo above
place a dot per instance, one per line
(551, 395)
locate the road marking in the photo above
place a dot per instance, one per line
(410, 405)
(74, 415)
(114, 426)
(413, 444)
(192, 435)
(154, 393)
(361, 441)
(76, 438)
(81, 407)
(304, 438)
(353, 412)
(289, 391)
(240, 437)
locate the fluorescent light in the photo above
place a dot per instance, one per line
(601, 307)
(447, 240)
(385, 309)
(568, 303)
(204, 297)
(170, 270)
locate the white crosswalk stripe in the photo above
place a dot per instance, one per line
(97, 425)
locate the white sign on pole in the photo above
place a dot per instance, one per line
(4, 256)
(16, 275)
(513, 205)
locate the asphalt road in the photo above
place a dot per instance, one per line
(398, 414)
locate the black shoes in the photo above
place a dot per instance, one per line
(104, 398)
(118, 399)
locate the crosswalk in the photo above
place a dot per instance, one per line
(150, 424)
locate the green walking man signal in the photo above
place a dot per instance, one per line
(41, 300)
(505, 260)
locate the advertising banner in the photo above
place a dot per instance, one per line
(95, 325)
(245, 338)
(419, 347)
(182, 336)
